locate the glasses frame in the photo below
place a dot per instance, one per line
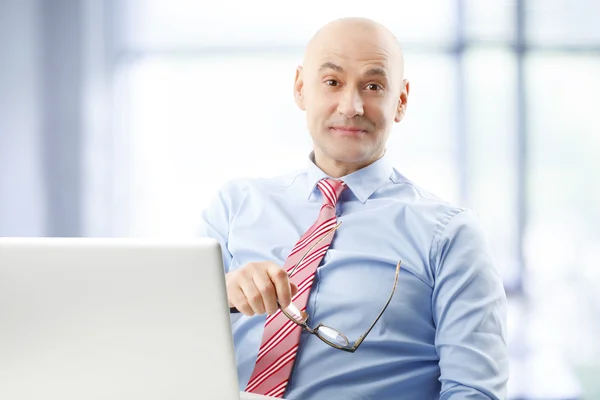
(315, 330)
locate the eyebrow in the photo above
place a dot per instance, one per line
(330, 65)
(375, 71)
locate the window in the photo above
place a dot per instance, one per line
(564, 185)
(562, 23)
(491, 128)
(156, 25)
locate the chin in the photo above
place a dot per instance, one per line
(348, 154)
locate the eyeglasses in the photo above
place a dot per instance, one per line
(329, 335)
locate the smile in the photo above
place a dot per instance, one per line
(347, 131)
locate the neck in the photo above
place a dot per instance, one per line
(337, 169)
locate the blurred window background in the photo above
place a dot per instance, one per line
(123, 118)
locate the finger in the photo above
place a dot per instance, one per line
(237, 299)
(267, 290)
(293, 288)
(253, 295)
(282, 285)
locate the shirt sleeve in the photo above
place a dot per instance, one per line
(216, 219)
(469, 309)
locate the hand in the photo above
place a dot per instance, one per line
(256, 288)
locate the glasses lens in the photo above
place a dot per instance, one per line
(295, 313)
(332, 336)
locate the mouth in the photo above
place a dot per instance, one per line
(347, 130)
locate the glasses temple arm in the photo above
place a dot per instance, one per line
(363, 336)
(312, 247)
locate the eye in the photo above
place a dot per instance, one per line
(332, 82)
(373, 87)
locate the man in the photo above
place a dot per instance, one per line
(332, 237)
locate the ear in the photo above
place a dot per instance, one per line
(299, 88)
(402, 101)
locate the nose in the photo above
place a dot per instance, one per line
(350, 104)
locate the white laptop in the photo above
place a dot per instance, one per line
(114, 319)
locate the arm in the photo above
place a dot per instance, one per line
(469, 309)
(257, 286)
(215, 222)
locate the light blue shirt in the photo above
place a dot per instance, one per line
(444, 332)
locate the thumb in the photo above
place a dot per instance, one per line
(294, 288)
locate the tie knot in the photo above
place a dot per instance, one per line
(331, 189)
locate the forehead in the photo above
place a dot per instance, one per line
(357, 54)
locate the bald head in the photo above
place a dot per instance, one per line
(352, 88)
(363, 34)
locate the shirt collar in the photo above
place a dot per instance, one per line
(363, 183)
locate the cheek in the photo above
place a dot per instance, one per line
(319, 109)
(384, 114)
(378, 115)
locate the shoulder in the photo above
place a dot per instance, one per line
(435, 209)
(446, 220)
(238, 189)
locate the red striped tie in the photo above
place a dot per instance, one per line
(281, 336)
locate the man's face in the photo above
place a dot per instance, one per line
(352, 90)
